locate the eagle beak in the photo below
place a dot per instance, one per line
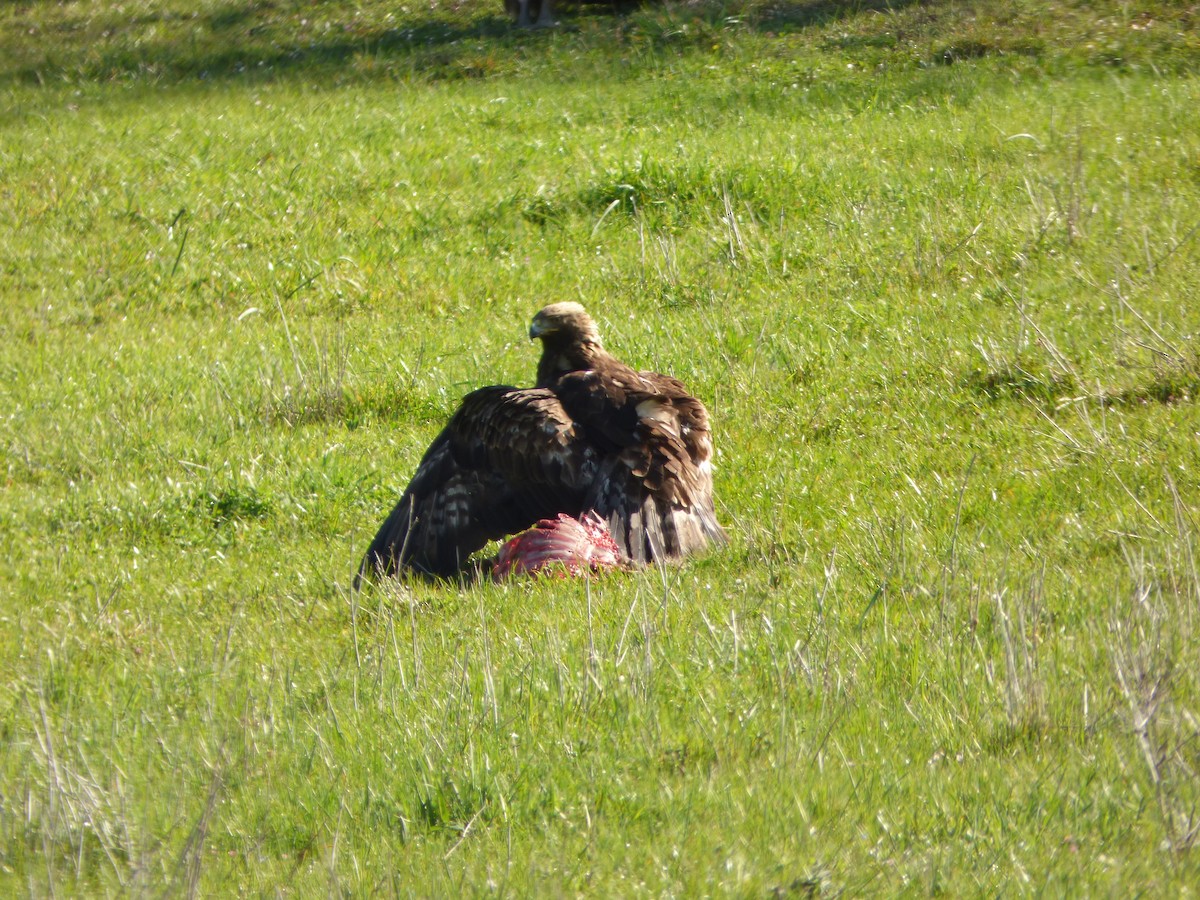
(537, 329)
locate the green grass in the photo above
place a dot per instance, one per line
(934, 269)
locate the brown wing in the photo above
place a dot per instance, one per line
(507, 458)
(655, 485)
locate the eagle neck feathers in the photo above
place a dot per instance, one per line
(562, 357)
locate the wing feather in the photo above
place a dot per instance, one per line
(507, 458)
(655, 489)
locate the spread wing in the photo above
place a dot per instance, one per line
(654, 487)
(507, 458)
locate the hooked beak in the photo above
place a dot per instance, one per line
(538, 328)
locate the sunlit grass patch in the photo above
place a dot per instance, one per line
(930, 266)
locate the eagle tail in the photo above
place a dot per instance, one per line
(652, 530)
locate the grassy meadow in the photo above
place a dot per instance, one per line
(933, 266)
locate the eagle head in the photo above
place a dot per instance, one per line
(566, 323)
(570, 341)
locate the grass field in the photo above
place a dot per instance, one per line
(934, 268)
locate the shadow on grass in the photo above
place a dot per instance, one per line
(238, 40)
(173, 41)
(795, 15)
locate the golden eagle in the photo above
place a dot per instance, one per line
(593, 436)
